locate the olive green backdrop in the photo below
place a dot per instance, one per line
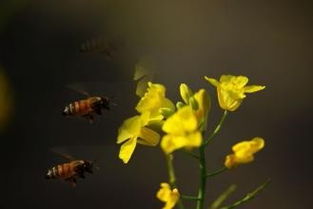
(269, 41)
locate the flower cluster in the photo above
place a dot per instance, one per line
(183, 125)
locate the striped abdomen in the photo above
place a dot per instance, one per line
(79, 108)
(63, 171)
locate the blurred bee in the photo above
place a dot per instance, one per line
(71, 170)
(87, 107)
(100, 45)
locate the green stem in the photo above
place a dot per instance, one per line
(217, 128)
(222, 197)
(170, 169)
(202, 164)
(172, 177)
(187, 197)
(248, 196)
(214, 173)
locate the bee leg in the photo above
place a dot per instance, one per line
(81, 175)
(90, 118)
(98, 111)
(72, 181)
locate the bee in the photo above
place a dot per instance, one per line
(100, 45)
(71, 170)
(87, 107)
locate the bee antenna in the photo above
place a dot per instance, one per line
(95, 165)
(112, 98)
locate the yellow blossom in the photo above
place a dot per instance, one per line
(170, 197)
(231, 90)
(243, 152)
(182, 130)
(133, 131)
(153, 100)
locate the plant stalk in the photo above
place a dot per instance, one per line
(202, 188)
(217, 128)
(172, 177)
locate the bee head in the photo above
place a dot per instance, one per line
(105, 101)
(66, 111)
(88, 166)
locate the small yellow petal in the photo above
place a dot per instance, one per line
(148, 137)
(252, 146)
(171, 142)
(253, 88)
(164, 192)
(203, 99)
(239, 81)
(212, 81)
(127, 149)
(229, 161)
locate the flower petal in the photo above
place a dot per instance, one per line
(164, 192)
(203, 99)
(130, 127)
(127, 149)
(212, 81)
(171, 142)
(253, 88)
(239, 81)
(184, 120)
(148, 137)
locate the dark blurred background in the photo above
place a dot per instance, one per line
(269, 41)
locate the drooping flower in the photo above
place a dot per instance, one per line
(167, 195)
(231, 90)
(243, 152)
(153, 100)
(133, 131)
(182, 130)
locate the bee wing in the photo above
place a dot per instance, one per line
(103, 45)
(79, 88)
(63, 155)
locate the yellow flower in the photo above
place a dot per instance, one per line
(231, 90)
(153, 100)
(182, 131)
(170, 197)
(243, 152)
(133, 131)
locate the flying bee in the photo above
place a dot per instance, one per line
(100, 45)
(71, 170)
(87, 107)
